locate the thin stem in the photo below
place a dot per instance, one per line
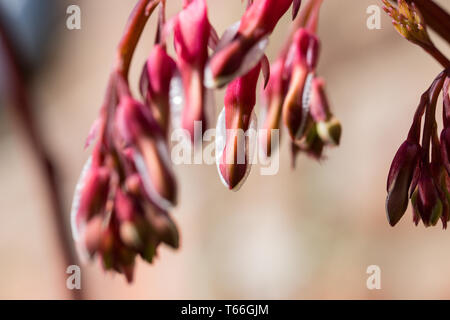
(436, 54)
(133, 31)
(430, 117)
(299, 22)
(26, 126)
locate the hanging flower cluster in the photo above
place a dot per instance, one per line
(127, 188)
(413, 174)
(420, 169)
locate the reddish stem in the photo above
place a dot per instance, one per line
(133, 31)
(430, 115)
(436, 54)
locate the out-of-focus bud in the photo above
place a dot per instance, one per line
(132, 226)
(330, 131)
(155, 84)
(162, 226)
(137, 127)
(304, 52)
(90, 197)
(240, 54)
(115, 255)
(91, 237)
(426, 200)
(440, 177)
(233, 159)
(328, 127)
(399, 180)
(310, 144)
(274, 97)
(191, 35)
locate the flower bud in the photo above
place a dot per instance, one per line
(232, 59)
(426, 198)
(233, 159)
(274, 97)
(191, 34)
(137, 127)
(399, 180)
(90, 197)
(162, 227)
(330, 131)
(155, 84)
(303, 53)
(328, 127)
(445, 148)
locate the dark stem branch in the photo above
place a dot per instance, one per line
(21, 109)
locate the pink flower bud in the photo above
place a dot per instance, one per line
(257, 23)
(306, 48)
(240, 99)
(90, 197)
(191, 34)
(303, 54)
(137, 128)
(274, 98)
(155, 84)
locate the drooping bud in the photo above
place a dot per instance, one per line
(90, 197)
(233, 159)
(241, 53)
(304, 53)
(155, 84)
(445, 148)
(328, 127)
(399, 180)
(138, 128)
(426, 198)
(191, 34)
(274, 98)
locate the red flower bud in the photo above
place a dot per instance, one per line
(155, 84)
(234, 158)
(445, 148)
(426, 200)
(240, 54)
(399, 180)
(191, 34)
(90, 197)
(303, 56)
(274, 98)
(137, 128)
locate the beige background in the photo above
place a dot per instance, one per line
(308, 233)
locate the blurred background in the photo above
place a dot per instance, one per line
(303, 234)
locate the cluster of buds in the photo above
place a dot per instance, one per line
(413, 174)
(296, 95)
(420, 171)
(124, 195)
